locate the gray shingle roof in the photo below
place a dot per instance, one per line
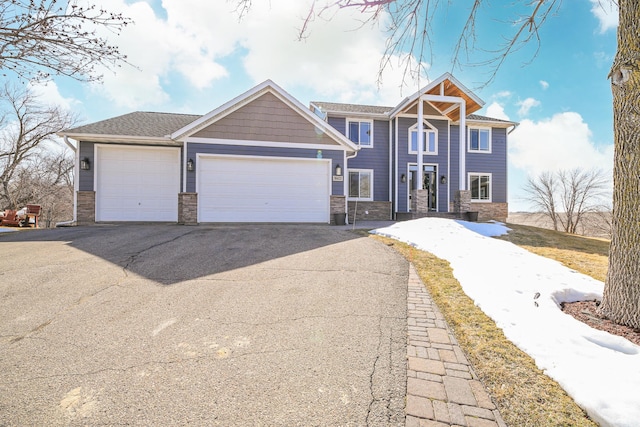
(486, 119)
(372, 109)
(139, 123)
(352, 108)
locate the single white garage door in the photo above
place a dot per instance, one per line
(262, 189)
(137, 183)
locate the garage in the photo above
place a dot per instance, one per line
(137, 183)
(262, 189)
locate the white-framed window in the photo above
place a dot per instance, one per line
(361, 184)
(430, 139)
(480, 187)
(480, 140)
(360, 132)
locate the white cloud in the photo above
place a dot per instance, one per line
(48, 93)
(339, 60)
(192, 39)
(607, 13)
(502, 94)
(496, 111)
(544, 85)
(561, 142)
(526, 106)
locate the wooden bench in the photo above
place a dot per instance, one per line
(10, 219)
(33, 212)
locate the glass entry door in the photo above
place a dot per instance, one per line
(429, 183)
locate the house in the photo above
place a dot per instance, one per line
(265, 157)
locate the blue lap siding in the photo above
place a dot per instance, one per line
(336, 156)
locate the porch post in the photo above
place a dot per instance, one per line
(463, 146)
(420, 138)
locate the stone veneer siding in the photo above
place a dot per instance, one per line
(336, 206)
(188, 208)
(488, 211)
(370, 211)
(86, 209)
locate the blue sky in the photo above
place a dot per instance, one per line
(192, 56)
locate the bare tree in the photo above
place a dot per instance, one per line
(541, 193)
(43, 37)
(27, 127)
(567, 197)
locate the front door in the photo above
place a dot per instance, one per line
(429, 183)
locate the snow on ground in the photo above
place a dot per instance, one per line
(599, 370)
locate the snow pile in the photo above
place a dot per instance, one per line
(599, 370)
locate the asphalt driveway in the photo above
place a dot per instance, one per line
(208, 325)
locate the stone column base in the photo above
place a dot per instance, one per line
(188, 208)
(86, 209)
(462, 201)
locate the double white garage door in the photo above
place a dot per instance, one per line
(262, 189)
(142, 184)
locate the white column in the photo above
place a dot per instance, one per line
(463, 146)
(420, 138)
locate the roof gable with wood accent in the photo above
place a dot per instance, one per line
(445, 86)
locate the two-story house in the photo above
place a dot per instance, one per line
(265, 157)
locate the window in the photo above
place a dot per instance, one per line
(360, 132)
(480, 186)
(480, 139)
(361, 184)
(430, 138)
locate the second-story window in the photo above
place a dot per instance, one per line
(480, 140)
(360, 132)
(429, 140)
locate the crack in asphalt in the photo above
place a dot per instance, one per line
(84, 298)
(133, 258)
(373, 372)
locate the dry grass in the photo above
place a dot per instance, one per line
(523, 394)
(587, 255)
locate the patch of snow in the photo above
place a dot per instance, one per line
(7, 230)
(489, 229)
(600, 371)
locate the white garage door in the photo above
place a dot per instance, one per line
(262, 189)
(137, 183)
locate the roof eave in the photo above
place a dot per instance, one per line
(92, 137)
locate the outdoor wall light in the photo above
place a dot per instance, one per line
(403, 178)
(338, 169)
(443, 180)
(190, 165)
(85, 164)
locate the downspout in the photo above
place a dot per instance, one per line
(345, 184)
(76, 178)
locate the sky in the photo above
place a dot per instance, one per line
(600, 371)
(192, 56)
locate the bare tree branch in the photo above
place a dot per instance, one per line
(28, 126)
(43, 37)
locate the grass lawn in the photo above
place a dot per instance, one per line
(523, 394)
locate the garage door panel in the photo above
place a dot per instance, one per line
(263, 190)
(137, 184)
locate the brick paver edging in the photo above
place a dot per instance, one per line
(442, 389)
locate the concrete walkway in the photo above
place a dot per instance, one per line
(442, 389)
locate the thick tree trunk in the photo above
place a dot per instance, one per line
(621, 300)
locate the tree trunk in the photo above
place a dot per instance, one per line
(621, 299)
